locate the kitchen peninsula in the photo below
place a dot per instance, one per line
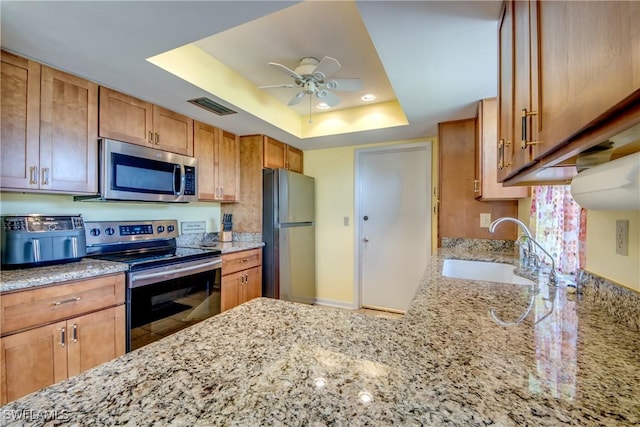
(270, 362)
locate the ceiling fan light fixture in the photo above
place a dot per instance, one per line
(368, 97)
(322, 106)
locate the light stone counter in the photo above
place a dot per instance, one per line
(270, 362)
(20, 279)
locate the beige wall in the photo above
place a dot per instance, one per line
(602, 259)
(18, 203)
(333, 170)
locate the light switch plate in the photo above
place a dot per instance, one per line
(346, 221)
(622, 237)
(485, 220)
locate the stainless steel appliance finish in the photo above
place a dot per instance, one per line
(289, 235)
(136, 173)
(168, 287)
(37, 240)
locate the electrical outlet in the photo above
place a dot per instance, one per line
(485, 220)
(622, 237)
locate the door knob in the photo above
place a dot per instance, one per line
(366, 239)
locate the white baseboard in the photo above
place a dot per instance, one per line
(334, 303)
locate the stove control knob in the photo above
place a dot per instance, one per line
(170, 228)
(109, 231)
(160, 228)
(94, 232)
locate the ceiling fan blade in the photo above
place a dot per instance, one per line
(296, 99)
(285, 70)
(326, 68)
(289, 86)
(347, 85)
(329, 98)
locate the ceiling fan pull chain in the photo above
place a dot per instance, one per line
(310, 109)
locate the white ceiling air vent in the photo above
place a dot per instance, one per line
(212, 106)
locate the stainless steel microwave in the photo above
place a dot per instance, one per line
(135, 173)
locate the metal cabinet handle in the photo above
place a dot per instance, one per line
(33, 175)
(150, 137)
(476, 185)
(67, 301)
(35, 250)
(62, 337)
(501, 163)
(524, 143)
(74, 333)
(157, 138)
(45, 176)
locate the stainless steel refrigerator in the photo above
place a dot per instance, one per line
(288, 230)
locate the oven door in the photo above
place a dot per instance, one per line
(166, 299)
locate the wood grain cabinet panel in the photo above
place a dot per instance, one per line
(459, 211)
(49, 129)
(294, 159)
(128, 119)
(278, 155)
(241, 277)
(486, 185)
(218, 154)
(20, 116)
(52, 333)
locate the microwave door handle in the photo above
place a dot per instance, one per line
(183, 179)
(177, 180)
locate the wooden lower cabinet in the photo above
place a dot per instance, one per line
(38, 356)
(241, 277)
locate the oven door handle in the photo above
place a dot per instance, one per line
(177, 272)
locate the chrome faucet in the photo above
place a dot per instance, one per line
(525, 252)
(528, 259)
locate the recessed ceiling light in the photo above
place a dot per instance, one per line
(368, 97)
(322, 106)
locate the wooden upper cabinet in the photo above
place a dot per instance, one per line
(576, 83)
(218, 154)
(486, 185)
(49, 129)
(586, 63)
(278, 155)
(128, 119)
(294, 159)
(125, 118)
(274, 153)
(20, 110)
(505, 142)
(68, 133)
(172, 131)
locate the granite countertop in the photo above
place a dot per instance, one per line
(446, 362)
(24, 278)
(229, 247)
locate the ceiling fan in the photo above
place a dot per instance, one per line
(313, 77)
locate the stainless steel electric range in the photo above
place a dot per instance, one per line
(168, 287)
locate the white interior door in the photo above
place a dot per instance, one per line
(394, 223)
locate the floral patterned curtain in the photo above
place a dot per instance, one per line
(558, 223)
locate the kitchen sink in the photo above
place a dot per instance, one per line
(482, 270)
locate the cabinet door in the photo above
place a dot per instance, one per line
(294, 159)
(172, 131)
(125, 118)
(252, 284)
(505, 93)
(20, 122)
(33, 360)
(95, 338)
(522, 152)
(230, 292)
(228, 166)
(204, 146)
(486, 184)
(68, 133)
(274, 153)
(588, 59)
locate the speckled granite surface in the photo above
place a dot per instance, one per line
(241, 242)
(13, 280)
(271, 362)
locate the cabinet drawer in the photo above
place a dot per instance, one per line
(238, 261)
(25, 309)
